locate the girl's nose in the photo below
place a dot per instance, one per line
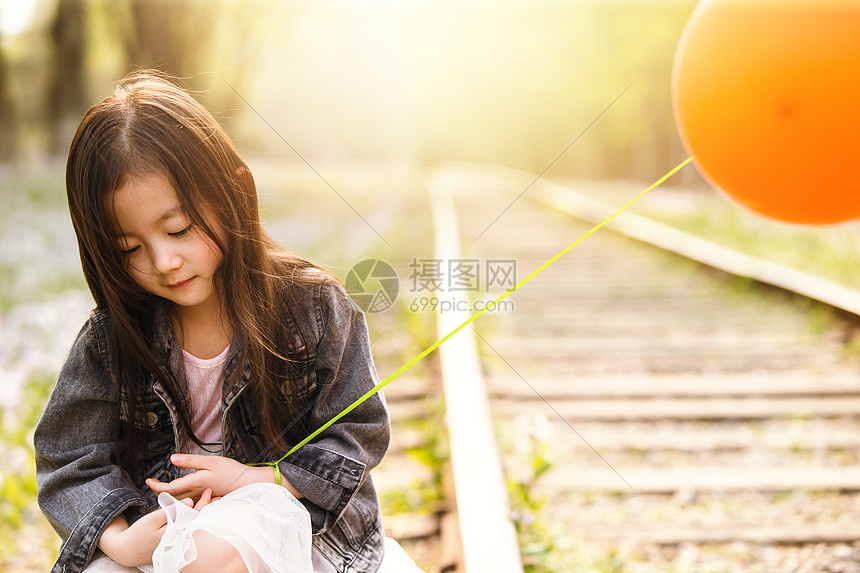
(165, 260)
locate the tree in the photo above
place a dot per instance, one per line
(8, 129)
(67, 98)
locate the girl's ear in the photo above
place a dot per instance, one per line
(244, 175)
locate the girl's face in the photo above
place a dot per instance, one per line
(165, 253)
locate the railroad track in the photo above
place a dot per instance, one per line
(698, 422)
(694, 422)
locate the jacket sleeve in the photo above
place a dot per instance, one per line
(330, 469)
(81, 489)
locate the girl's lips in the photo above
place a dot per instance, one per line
(180, 285)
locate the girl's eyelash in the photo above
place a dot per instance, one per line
(179, 233)
(182, 232)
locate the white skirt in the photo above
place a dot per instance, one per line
(279, 542)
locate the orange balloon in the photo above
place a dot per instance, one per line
(766, 95)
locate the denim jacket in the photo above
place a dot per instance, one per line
(82, 489)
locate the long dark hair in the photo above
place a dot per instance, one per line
(150, 125)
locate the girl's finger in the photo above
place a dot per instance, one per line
(189, 482)
(156, 486)
(162, 518)
(191, 461)
(177, 490)
(204, 500)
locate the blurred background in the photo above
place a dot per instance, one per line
(341, 108)
(505, 82)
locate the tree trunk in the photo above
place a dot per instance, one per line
(66, 95)
(8, 129)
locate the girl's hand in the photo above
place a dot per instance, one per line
(221, 474)
(132, 546)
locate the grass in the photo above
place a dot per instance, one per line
(546, 546)
(422, 497)
(827, 251)
(38, 267)
(38, 251)
(18, 509)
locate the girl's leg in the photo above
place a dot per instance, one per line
(214, 554)
(257, 528)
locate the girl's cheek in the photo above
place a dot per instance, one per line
(215, 254)
(213, 246)
(135, 267)
(139, 275)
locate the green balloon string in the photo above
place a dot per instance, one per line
(478, 314)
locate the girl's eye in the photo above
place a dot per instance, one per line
(182, 232)
(126, 252)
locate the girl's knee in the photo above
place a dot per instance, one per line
(215, 554)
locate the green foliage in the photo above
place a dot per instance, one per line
(612, 563)
(35, 394)
(17, 494)
(38, 251)
(830, 252)
(44, 189)
(419, 325)
(547, 546)
(423, 497)
(17, 467)
(38, 262)
(537, 544)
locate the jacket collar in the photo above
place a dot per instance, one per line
(164, 342)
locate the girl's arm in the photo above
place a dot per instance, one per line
(132, 546)
(81, 489)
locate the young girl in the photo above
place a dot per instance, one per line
(210, 353)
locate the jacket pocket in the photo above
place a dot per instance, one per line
(150, 413)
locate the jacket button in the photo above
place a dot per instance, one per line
(151, 419)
